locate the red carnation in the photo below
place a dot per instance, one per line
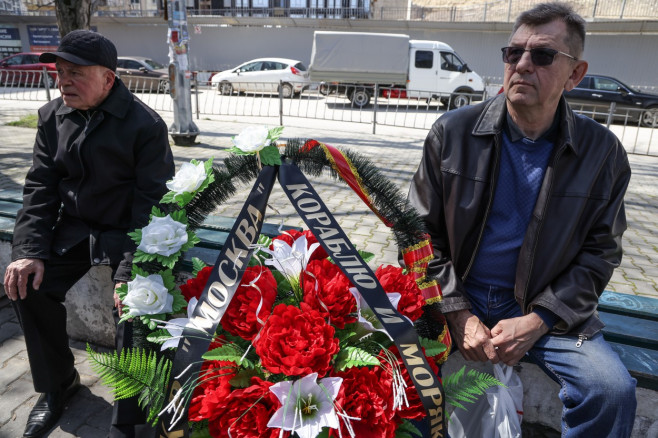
(367, 394)
(213, 386)
(291, 235)
(194, 286)
(246, 413)
(327, 290)
(411, 300)
(296, 342)
(240, 317)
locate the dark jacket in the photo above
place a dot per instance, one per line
(96, 174)
(573, 240)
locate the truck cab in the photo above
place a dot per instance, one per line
(437, 71)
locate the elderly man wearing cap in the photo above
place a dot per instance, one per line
(101, 160)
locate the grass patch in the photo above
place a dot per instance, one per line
(29, 121)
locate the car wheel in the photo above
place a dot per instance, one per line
(324, 89)
(225, 88)
(650, 118)
(164, 87)
(286, 90)
(459, 100)
(360, 97)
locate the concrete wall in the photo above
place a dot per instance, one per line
(625, 50)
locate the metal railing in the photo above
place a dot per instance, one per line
(384, 106)
(495, 11)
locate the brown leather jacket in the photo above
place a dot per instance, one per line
(573, 240)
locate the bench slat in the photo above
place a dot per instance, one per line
(624, 304)
(630, 330)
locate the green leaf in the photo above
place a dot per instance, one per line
(350, 357)
(159, 336)
(270, 156)
(229, 352)
(467, 387)
(432, 347)
(168, 198)
(407, 430)
(236, 151)
(274, 133)
(243, 377)
(136, 236)
(134, 372)
(366, 256)
(197, 265)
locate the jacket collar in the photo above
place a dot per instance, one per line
(116, 103)
(492, 119)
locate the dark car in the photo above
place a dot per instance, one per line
(143, 74)
(25, 69)
(595, 94)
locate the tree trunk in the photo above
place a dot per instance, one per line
(73, 15)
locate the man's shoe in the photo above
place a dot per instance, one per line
(49, 408)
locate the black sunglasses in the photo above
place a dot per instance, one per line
(540, 56)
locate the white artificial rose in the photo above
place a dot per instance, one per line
(252, 139)
(163, 236)
(148, 296)
(188, 178)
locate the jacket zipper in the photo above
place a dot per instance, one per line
(488, 210)
(581, 339)
(539, 228)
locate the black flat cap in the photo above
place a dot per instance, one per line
(84, 47)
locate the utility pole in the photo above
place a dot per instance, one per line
(183, 130)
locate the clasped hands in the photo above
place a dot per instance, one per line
(507, 342)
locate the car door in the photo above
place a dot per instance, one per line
(247, 76)
(11, 70)
(423, 72)
(135, 75)
(32, 70)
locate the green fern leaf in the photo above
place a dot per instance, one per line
(432, 346)
(197, 265)
(467, 387)
(350, 357)
(229, 352)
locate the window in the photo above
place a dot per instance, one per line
(129, 63)
(15, 60)
(450, 62)
(605, 84)
(424, 59)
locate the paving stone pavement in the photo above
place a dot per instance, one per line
(396, 151)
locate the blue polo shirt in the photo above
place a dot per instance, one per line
(523, 164)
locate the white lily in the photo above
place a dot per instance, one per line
(306, 405)
(290, 260)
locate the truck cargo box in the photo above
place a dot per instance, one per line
(358, 57)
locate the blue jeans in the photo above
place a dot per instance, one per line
(597, 392)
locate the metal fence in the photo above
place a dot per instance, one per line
(498, 11)
(386, 106)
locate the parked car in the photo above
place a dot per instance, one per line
(25, 69)
(143, 74)
(595, 93)
(263, 75)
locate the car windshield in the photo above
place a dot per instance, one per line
(300, 66)
(154, 65)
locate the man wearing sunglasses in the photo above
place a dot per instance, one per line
(523, 200)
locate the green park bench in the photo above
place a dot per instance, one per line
(631, 321)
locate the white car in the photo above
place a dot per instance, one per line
(263, 75)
